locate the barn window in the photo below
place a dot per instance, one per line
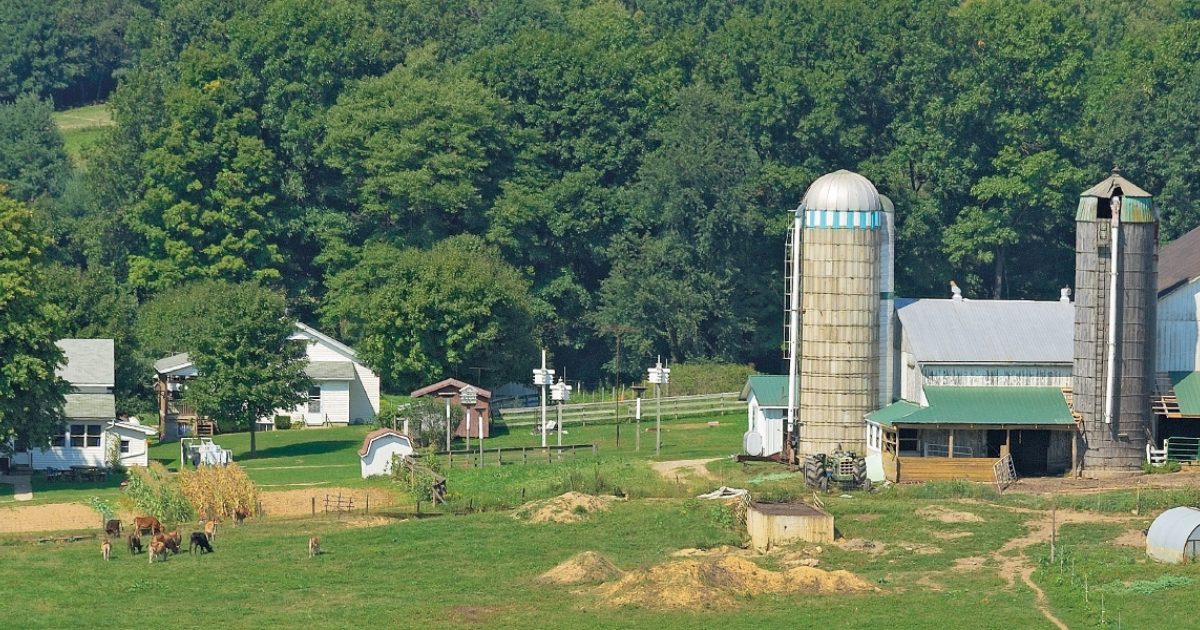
(314, 400)
(124, 446)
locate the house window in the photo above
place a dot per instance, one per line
(124, 446)
(60, 437)
(314, 400)
(84, 435)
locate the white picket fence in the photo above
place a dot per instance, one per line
(599, 412)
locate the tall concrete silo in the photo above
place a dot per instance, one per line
(1116, 268)
(834, 302)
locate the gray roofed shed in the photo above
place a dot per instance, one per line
(1175, 535)
(1179, 262)
(989, 331)
(330, 370)
(173, 362)
(88, 362)
(90, 407)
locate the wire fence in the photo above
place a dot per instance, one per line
(601, 412)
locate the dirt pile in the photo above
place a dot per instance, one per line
(587, 567)
(716, 582)
(571, 507)
(946, 515)
(872, 547)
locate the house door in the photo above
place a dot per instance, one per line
(1029, 452)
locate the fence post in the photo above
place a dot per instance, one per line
(499, 457)
(593, 449)
(314, 506)
(524, 456)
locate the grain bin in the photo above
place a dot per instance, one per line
(1116, 234)
(833, 294)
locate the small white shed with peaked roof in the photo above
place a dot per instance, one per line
(378, 449)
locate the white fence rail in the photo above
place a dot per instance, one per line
(598, 412)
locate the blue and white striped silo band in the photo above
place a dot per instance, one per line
(861, 219)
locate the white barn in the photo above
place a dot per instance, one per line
(1176, 399)
(378, 449)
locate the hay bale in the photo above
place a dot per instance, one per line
(587, 567)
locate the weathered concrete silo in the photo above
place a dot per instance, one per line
(1116, 235)
(834, 313)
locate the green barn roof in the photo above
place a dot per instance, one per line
(1187, 391)
(981, 405)
(769, 389)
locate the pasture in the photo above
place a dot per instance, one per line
(81, 128)
(937, 553)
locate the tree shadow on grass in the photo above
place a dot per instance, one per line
(304, 448)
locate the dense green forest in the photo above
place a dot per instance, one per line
(449, 185)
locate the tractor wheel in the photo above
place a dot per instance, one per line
(860, 474)
(812, 471)
(823, 484)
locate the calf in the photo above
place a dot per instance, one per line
(210, 530)
(169, 541)
(147, 525)
(106, 549)
(199, 541)
(135, 543)
(113, 528)
(157, 550)
(314, 546)
(240, 515)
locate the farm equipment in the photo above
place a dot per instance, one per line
(845, 469)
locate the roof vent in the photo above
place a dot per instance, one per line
(1064, 295)
(955, 292)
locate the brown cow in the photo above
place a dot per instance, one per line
(240, 515)
(210, 529)
(157, 550)
(135, 543)
(169, 540)
(112, 527)
(314, 547)
(147, 525)
(106, 549)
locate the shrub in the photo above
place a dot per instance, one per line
(283, 423)
(707, 377)
(218, 491)
(426, 420)
(420, 480)
(155, 492)
(1169, 466)
(102, 507)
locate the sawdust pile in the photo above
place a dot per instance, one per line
(946, 515)
(571, 507)
(716, 582)
(586, 567)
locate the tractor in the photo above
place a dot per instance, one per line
(846, 469)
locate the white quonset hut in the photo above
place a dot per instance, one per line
(1175, 536)
(378, 449)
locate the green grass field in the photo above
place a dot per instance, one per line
(81, 127)
(480, 569)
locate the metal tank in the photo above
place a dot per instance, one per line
(1116, 236)
(834, 300)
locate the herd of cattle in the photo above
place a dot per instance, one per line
(162, 541)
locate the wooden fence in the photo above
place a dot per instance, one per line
(611, 411)
(464, 458)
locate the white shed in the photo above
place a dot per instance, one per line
(766, 413)
(1175, 536)
(132, 447)
(378, 449)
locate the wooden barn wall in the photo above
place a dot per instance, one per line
(1178, 347)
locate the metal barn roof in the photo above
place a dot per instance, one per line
(981, 405)
(1169, 535)
(89, 362)
(841, 190)
(769, 389)
(1179, 262)
(1186, 386)
(989, 331)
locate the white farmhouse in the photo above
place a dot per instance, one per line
(378, 449)
(344, 389)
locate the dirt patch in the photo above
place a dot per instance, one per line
(862, 518)
(717, 582)
(952, 535)
(473, 615)
(369, 521)
(1131, 538)
(696, 425)
(722, 550)
(48, 518)
(587, 567)
(1048, 486)
(872, 547)
(300, 502)
(672, 470)
(946, 515)
(571, 507)
(971, 563)
(920, 549)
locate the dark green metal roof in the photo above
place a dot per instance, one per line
(1187, 391)
(981, 405)
(769, 389)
